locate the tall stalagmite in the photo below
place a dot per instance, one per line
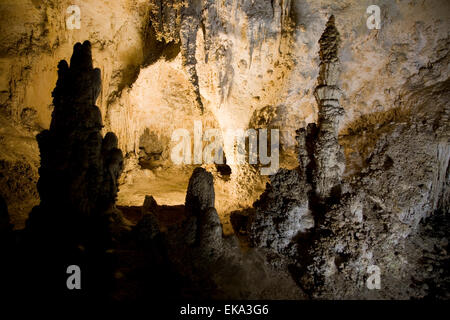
(285, 210)
(329, 158)
(78, 173)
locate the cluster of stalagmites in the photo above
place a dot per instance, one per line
(79, 167)
(200, 230)
(333, 229)
(78, 180)
(190, 246)
(194, 247)
(76, 221)
(284, 211)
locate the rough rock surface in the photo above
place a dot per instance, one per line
(214, 266)
(234, 64)
(381, 211)
(328, 156)
(248, 62)
(282, 213)
(379, 221)
(200, 195)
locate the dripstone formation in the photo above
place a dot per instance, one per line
(329, 158)
(79, 168)
(320, 154)
(200, 194)
(284, 212)
(205, 229)
(78, 178)
(212, 265)
(314, 233)
(332, 230)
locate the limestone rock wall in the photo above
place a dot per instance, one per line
(33, 39)
(233, 58)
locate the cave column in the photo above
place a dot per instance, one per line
(330, 160)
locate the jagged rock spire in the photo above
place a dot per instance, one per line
(284, 210)
(329, 158)
(329, 69)
(329, 42)
(320, 155)
(79, 168)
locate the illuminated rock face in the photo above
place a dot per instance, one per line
(337, 228)
(247, 64)
(370, 185)
(282, 213)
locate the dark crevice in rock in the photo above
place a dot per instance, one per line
(155, 49)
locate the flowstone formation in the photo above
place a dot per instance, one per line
(78, 179)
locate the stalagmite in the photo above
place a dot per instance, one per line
(210, 206)
(78, 182)
(330, 160)
(200, 194)
(79, 168)
(319, 149)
